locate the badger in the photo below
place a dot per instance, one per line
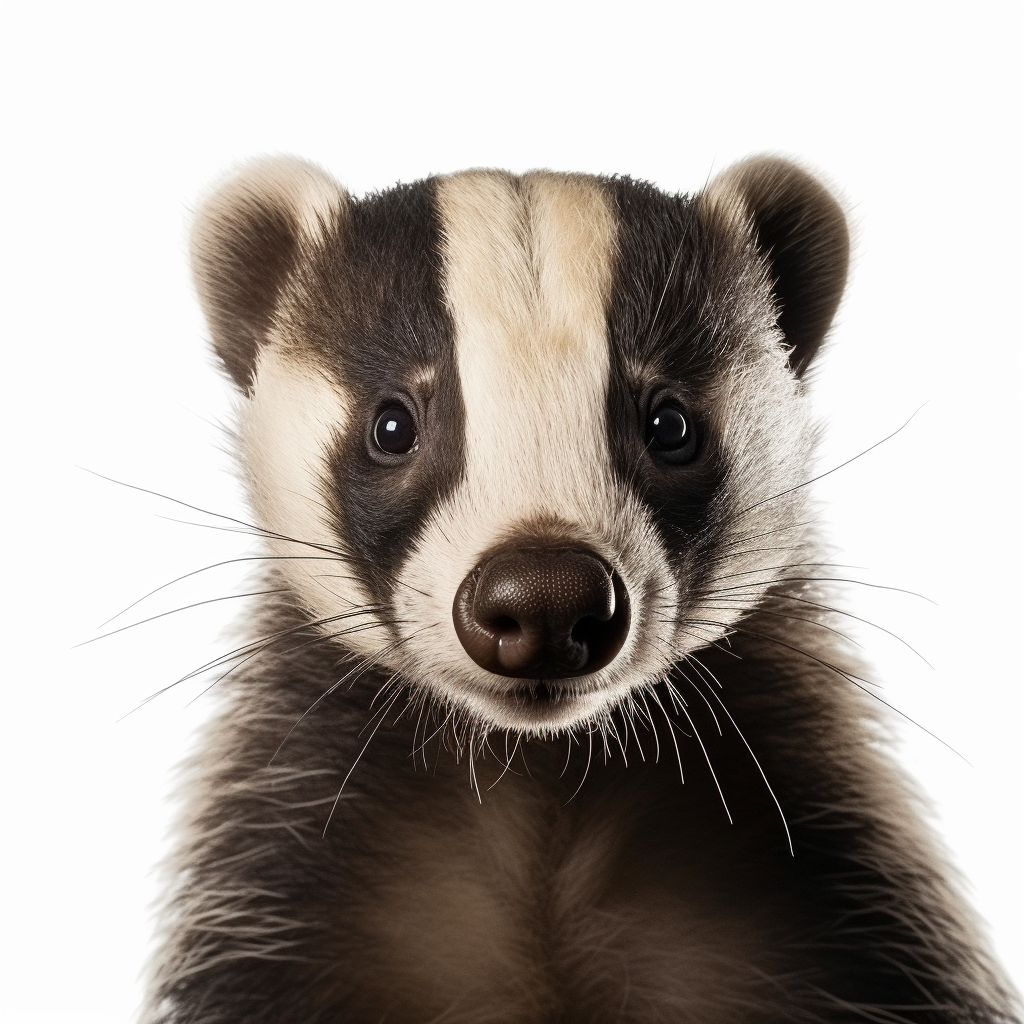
(545, 715)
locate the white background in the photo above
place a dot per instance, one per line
(119, 117)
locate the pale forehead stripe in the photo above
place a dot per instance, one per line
(528, 273)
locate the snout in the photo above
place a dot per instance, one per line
(542, 612)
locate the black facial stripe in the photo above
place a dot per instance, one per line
(377, 318)
(672, 320)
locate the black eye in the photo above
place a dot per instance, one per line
(671, 433)
(395, 430)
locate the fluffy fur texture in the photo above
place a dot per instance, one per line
(704, 830)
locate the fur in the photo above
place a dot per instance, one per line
(707, 829)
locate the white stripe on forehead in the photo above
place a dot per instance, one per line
(528, 274)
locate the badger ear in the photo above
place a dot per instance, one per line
(246, 240)
(801, 232)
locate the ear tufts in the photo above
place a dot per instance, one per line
(246, 239)
(801, 232)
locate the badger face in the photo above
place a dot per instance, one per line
(524, 442)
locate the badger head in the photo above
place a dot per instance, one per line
(512, 438)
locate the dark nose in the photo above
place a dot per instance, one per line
(542, 613)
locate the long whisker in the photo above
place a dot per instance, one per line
(739, 732)
(174, 611)
(217, 565)
(650, 721)
(449, 717)
(736, 602)
(508, 760)
(707, 756)
(363, 663)
(850, 615)
(668, 281)
(700, 694)
(736, 541)
(323, 638)
(258, 530)
(833, 579)
(845, 673)
(731, 555)
(857, 681)
(783, 568)
(706, 673)
(586, 769)
(834, 469)
(255, 647)
(672, 735)
(258, 646)
(383, 714)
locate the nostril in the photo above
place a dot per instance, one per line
(587, 630)
(505, 628)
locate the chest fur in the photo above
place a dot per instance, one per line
(526, 907)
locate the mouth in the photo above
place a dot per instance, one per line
(540, 692)
(538, 705)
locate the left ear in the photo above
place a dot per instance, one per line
(800, 230)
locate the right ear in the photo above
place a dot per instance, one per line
(800, 230)
(246, 240)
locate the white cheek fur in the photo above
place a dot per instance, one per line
(287, 429)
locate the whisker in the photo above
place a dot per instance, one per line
(364, 662)
(259, 531)
(767, 533)
(618, 738)
(174, 611)
(360, 628)
(508, 760)
(216, 565)
(165, 497)
(672, 736)
(705, 672)
(568, 755)
(700, 694)
(850, 615)
(845, 673)
(783, 568)
(652, 323)
(650, 721)
(447, 718)
(728, 556)
(586, 769)
(707, 757)
(244, 652)
(857, 681)
(833, 579)
(758, 610)
(348, 775)
(706, 640)
(472, 766)
(739, 732)
(416, 732)
(834, 469)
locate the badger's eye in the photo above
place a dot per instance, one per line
(395, 430)
(671, 434)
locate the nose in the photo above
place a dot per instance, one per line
(542, 613)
